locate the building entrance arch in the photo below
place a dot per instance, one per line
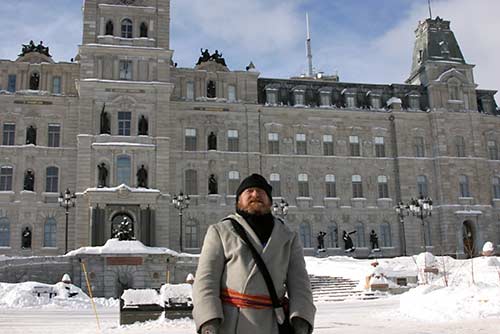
(469, 237)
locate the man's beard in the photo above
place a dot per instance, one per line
(255, 207)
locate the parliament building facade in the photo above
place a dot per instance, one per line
(126, 130)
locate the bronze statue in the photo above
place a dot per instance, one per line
(142, 177)
(31, 47)
(105, 129)
(34, 81)
(26, 238)
(29, 181)
(102, 177)
(143, 126)
(212, 185)
(31, 135)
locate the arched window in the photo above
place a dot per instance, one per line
(4, 232)
(191, 237)
(191, 182)
(6, 178)
(52, 180)
(385, 235)
(143, 30)
(127, 28)
(333, 235)
(212, 141)
(50, 233)
(303, 185)
(123, 169)
(422, 188)
(305, 234)
(233, 182)
(496, 187)
(274, 179)
(110, 28)
(360, 235)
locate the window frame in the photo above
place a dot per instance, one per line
(354, 146)
(303, 185)
(53, 136)
(273, 143)
(300, 144)
(6, 179)
(357, 186)
(124, 123)
(127, 28)
(190, 139)
(9, 135)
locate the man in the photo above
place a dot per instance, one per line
(229, 294)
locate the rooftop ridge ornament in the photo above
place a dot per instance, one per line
(31, 47)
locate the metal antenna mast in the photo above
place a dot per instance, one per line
(309, 52)
(430, 9)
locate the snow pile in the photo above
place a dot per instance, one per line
(473, 291)
(23, 295)
(177, 293)
(141, 297)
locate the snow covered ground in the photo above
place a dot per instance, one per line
(469, 304)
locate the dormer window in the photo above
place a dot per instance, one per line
(414, 102)
(454, 91)
(127, 28)
(374, 99)
(271, 96)
(350, 98)
(325, 98)
(298, 97)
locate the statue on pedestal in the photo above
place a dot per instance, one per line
(142, 177)
(29, 181)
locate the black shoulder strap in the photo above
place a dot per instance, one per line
(258, 260)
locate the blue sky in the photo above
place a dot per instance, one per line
(361, 40)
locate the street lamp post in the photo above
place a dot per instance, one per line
(180, 202)
(421, 207)
(402, 211)
(66, 201)
(281, 208)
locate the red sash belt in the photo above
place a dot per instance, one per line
(240, 300)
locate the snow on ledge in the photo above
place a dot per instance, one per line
(122, 187)
(115, 246)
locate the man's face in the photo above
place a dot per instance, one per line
(254, 201)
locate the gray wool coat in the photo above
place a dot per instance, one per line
(227, 262)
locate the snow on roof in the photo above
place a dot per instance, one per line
(115, 246)
(394, 100)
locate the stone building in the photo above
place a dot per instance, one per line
(126, 129)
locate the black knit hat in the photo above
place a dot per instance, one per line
(255, 181)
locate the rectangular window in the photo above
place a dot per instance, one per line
(383, 187)
(233, 141)
(273, 143)
(419, 147)
(460, 146)
(189, 91)
(234, 182)
(357, 187)
(274, 180)
(56, 85)
(6, 178)
(52, 180)
(54, 134)
(376, 102)
(385, 234)
(191, 185)
(330, 186)
(231, 93)
(379, 147)
(9, 134)
(354, 146)
(190, 140)
(328, 145)
(303, 188)
(422, 185)
(124, 123)
(11, 85)
(464, 186)
(492, 150)
(125, 70)
(301, 143)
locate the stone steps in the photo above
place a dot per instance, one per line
(327, 289)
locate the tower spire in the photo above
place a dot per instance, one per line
(430, 9)
(308, 48)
